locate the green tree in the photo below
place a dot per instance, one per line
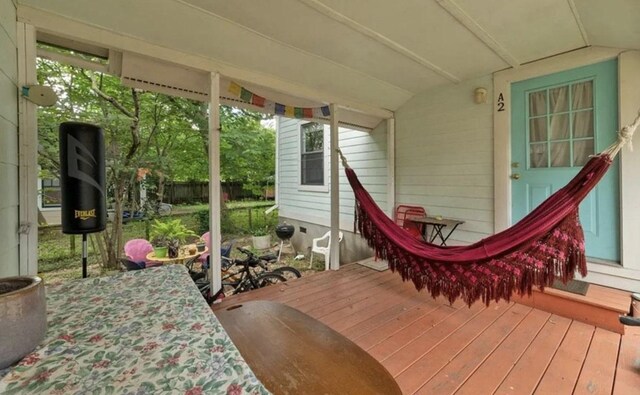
(165, 134)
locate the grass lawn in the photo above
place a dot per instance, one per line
(60, 257)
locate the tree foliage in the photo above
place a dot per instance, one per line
(147, 130)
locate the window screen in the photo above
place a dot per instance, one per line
(312, 154)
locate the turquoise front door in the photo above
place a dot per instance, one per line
(557, 121)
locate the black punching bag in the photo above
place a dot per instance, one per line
(82, 178)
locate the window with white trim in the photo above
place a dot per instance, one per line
(51, 194)
(312, 154)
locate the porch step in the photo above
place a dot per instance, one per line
(600, 307)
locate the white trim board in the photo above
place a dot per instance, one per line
(28, 153)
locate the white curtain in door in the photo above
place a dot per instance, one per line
(557, 131)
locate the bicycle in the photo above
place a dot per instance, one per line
(241, 281)
(289, 272)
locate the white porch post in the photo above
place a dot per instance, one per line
(335, 191)
(28, 153)
(214, 183)
(391, 166)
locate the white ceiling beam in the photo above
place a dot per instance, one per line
(72, 60)
(68, 27)
(576, 15)
(345, 20)
(468, 22)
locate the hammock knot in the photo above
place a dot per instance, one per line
(625, 136)
(343, 159)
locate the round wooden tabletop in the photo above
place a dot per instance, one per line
(292, 353)
(179, 259)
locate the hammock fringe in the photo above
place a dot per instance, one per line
(556, 256)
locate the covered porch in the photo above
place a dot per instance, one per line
(406, 74)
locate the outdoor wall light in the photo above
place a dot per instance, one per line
(480, 95)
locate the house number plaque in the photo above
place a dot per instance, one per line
(500, 102)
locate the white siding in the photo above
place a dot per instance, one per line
(9, 251)
(444, 157)
(366, 153)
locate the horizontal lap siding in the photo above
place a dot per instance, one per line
(9, 244)
(444, 157)
(367, 154)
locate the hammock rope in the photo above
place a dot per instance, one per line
(546, 244)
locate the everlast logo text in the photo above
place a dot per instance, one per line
(85, 214)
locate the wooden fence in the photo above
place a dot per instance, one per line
(198, 192)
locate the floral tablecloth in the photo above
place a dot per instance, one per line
(139, 332)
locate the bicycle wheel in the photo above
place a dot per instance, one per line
(269, 278)
(288, 272)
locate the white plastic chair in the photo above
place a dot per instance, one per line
(326, 251)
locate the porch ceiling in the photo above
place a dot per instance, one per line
(377, 53)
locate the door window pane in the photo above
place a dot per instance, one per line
(559, 126)
(583, 124)
(538, 155)
(561, 154)
(581, 151)
(582, 95)
(538, 103)
(538, 129)
(559, 99)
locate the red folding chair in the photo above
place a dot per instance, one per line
(403, 215)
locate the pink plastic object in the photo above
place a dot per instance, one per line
(207, 239)
(137, 250)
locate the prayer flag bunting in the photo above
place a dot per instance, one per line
(307, 112)
(257, 100)
(277, 108)
(234, 88)
(289, 112)
(246, 95)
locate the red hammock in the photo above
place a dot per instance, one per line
(546, 244)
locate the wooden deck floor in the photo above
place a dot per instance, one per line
(431, 347)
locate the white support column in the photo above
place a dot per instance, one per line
(214, 183)
(28, 152)
(335, 190)
(391, 166)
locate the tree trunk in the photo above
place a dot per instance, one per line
(161, 186)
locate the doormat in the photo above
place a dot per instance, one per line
(380, 265)
(573, 286)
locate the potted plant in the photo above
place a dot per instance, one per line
(23, 317)
(261, 237)
(166, 237)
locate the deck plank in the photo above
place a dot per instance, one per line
(599, 368)
(488, 376)
(530, 368)
(374, 303)
(321, 306)
(437, 356)
(563, 371)
(627, 379)
(454, 374)
(383, 330)
(404, 346)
